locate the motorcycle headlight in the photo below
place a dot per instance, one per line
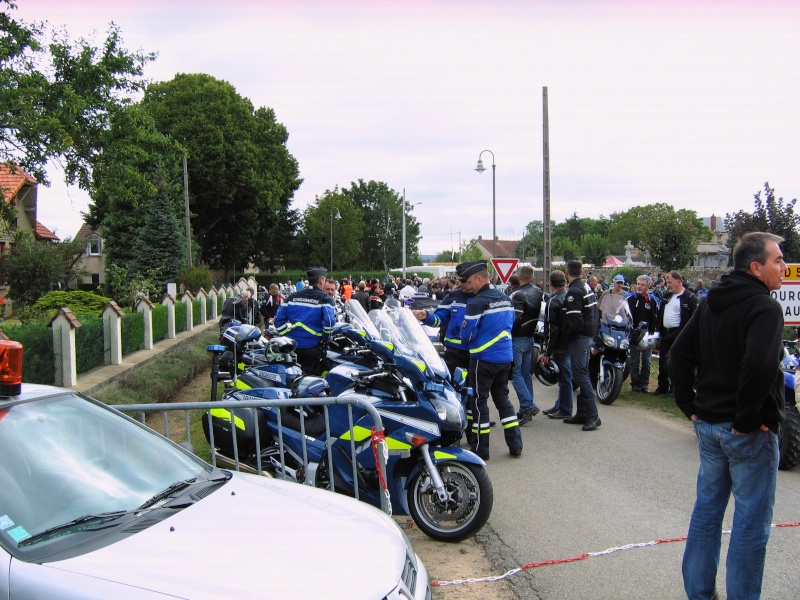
(609, 340)
(449, 409)
(624, 344)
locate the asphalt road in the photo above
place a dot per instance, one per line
(629, 482)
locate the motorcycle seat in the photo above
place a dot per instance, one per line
(314, 422)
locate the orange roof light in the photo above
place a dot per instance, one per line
(10, 368)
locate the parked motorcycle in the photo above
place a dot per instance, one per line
(790, 430)
(609, 351)
(444, 488)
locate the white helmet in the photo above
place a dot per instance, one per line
(648, 341)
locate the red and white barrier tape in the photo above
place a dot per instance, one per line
(583, 556)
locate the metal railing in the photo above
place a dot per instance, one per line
(260, 403)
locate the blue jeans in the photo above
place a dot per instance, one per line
(640, 362)
(522, 380)
(578, 350)
(746, 465)
(564, 401)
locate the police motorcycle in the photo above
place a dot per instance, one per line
(444, 488)
(609, 351)
(790, 429)
(538, 335)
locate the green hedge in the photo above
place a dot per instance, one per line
(38, 364)
(180, 317)
(159, 322)
(132, 332)
(196, 309)
(89, 343)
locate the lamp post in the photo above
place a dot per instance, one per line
(480, 169)
(334, 215)
(404, 230)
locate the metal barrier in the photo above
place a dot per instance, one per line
(325, 402)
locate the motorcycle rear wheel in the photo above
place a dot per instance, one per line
(609, 386)
(790, 440)
(469, 503)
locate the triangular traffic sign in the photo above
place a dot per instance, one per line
(504, 267)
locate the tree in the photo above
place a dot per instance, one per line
(566, 248)
(137, 165)
(241, 175)
(56, 99)
(382, 208)
(320, 222)
(34, 268)
(772, 216)
(448, 256)
(594, 248)
(532, 243)
(160, 246)
(671, 237)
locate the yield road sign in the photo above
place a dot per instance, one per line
(504, 267)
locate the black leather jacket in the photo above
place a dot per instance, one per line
(527, 301)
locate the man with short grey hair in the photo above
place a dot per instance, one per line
(644, 314)
(725, 366)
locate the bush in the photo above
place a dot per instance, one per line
(197, 277)
(78, 302)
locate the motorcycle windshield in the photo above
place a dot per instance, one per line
(357, 317)
(614, 310)
(420, 340)
(389, 332)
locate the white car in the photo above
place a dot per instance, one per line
(95, 505)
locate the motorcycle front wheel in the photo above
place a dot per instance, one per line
(609, 385)
(467, 508)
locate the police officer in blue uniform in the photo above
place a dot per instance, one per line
(486, 331)
(308, 317)
(448, 317)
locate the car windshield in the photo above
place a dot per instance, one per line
(66, 457)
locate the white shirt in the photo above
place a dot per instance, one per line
(407, 292)
(672, 312)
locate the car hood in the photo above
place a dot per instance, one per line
(258, 537)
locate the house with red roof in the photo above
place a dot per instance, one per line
(21, 191)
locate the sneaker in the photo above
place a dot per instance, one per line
(559, 415)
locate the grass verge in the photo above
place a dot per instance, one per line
(168, 379)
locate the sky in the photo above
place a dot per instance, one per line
(692, 103)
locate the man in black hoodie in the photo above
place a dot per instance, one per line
(725, 369)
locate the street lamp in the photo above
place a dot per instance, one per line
(480, 169)
(404, 230)
(334, 215)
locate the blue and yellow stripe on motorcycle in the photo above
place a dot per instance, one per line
(225, 415)
(420, 364)
(439, 455)
(241, 385)
(361, 434)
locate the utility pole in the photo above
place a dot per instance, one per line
(186, 213)
(546, 174)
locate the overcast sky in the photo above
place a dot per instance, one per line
(692, 103)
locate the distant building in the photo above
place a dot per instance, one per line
(505, 248)
(93, 260)
(713, 254)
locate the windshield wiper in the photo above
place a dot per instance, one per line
(173, 489)
(64, 528)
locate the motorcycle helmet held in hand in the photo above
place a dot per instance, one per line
(547, 374)
(648, 341)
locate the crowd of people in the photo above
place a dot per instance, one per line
(719, 354)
